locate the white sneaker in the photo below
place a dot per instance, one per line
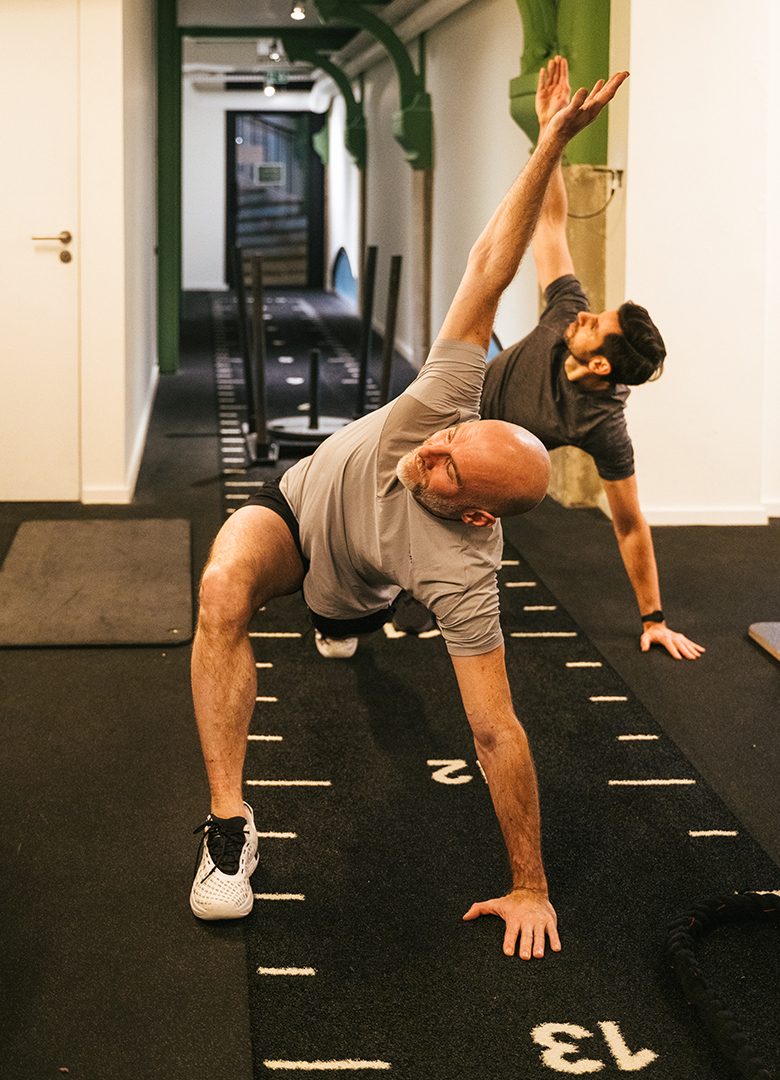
(226, 859)
(335, 648)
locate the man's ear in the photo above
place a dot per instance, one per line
(599, 365)
(478, 518)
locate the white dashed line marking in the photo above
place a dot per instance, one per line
(649, 783)
(519, 584)
(274, 633)
(286, 971)
(326, 1066)
(510, 562)
(278, 835)
(545, 633)
(540, 607)
(245, 483)
(265, 738)
(267, 699)
(712, 832)
(289, 783)
(607, 697)
(583, 663)
(263, 664)
(279, 896)
(638, 738)
(294, 380)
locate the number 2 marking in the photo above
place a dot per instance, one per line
(444, 774)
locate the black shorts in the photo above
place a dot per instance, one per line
(270, 496)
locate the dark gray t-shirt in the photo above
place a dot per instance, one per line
(527, 385)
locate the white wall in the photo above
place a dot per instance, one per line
(204, 124)
(697, 255)
(117, 273)
(342, 203)
(470, 58)
(771, 417)
(140, 106)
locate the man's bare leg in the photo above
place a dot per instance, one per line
(254, 559)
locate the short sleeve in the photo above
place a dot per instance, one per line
(470, 621)
(610, 446)
(451, 379)
(564, 299)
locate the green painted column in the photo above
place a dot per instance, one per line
(168, 186)
(578, 30)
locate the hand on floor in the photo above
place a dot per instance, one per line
(528, 915)
(677, 645)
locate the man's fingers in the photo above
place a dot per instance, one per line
(526, 941)
(644, 643)
(552, 933)
(476, 910)
(672, 649)
(510, 938)
(539, 936)
(542, 78)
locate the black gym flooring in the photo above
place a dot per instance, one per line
(106, 974)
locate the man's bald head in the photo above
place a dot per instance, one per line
(478, 471)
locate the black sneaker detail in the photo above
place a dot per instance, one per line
(225, 838)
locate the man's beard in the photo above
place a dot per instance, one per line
(411, 476)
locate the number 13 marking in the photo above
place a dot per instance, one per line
(557, 1054)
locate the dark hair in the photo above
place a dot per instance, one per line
(636, 355)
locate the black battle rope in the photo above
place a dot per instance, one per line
(679, 948)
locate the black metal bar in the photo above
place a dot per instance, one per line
(369, 279)
(243, 334)
(388, 346)
(314, 389)
(258, 351)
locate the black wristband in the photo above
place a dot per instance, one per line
(654, 616)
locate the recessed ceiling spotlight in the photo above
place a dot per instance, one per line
(269, 89)
(298, 11)
(275, 55)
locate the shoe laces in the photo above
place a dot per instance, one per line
(226, 839)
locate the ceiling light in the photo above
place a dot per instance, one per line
(269, 89)
(298, 10)
(275, 54)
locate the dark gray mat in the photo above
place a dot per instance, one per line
(97, 583)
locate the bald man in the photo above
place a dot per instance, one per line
(407, 497)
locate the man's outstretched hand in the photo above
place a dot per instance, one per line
(528, 915)
(552, 91)
(583, 108)
(677, 645)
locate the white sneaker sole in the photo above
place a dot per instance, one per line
(336, 648)
(214, 911)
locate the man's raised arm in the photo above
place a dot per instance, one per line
(550, 246)
(495, 257)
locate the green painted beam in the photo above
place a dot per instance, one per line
(355, 134)
(578, 30)
(413, 122)
(168, 186)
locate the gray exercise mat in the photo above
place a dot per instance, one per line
(97, 583)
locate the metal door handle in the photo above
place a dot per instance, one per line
(64, 237)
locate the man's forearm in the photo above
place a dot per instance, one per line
(555, 207)
(636, 550)
(511, 778)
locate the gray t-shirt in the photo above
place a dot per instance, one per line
(527, 385)
(365, 535)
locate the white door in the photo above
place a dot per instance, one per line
(39, 293)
